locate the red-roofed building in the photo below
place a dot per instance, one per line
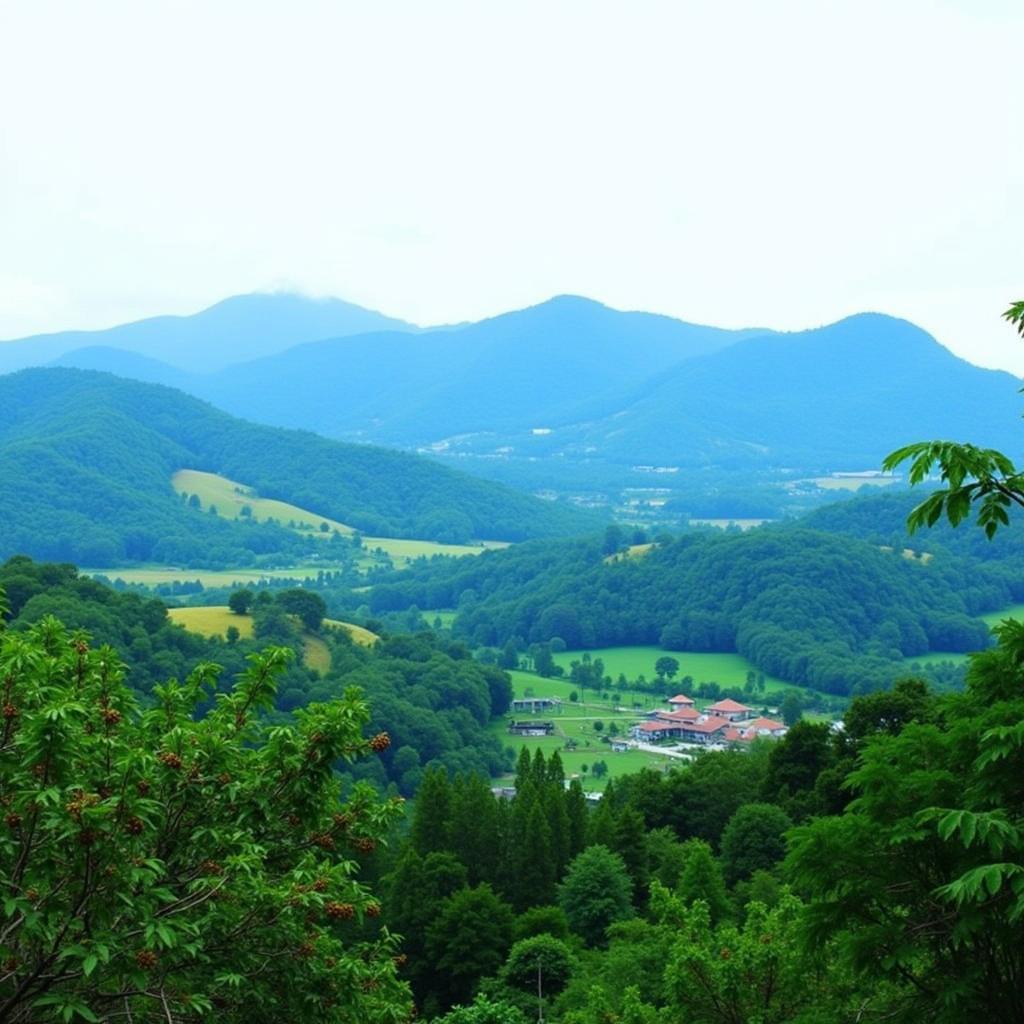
(682, 715)
(680, 700)
(765, 727)
(650, 732)
(709, 729)
(730, 709)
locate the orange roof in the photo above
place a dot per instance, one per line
(764, 723)
(682, 715)
(729, 706)
(709, 725)
(680, 698)
(657, 726)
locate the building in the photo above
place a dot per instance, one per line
(531, 728)
(708, 729)
(747, 732)
(533, 705)
(731, 710)
(652, 732)
(682, 715)
(680, 700)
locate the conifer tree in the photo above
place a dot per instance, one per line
(576, 809)
(431, 814)
(702, 880)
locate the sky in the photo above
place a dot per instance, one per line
(778, 164)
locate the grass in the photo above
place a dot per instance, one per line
(214, 620)
(724, 669)
(1015, 611)
(230, 497)
(152, 576)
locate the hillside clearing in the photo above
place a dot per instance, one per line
(235, 500)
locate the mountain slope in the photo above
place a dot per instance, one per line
(239, 328)
(837, 397)
(561, 361)
(88, 460)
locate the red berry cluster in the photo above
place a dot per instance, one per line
(134, 826)
(146, 959)
(380, 742)
(170, 759)
(111, 716)
(142, 787)
(320, 885)
(373, 910)
(13, 820)
(10, 711)
(365, 845)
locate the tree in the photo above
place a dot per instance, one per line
(232, 635)
(541, 955)
(309, 607)
(702, 880)
(468, 941)
(484, 1010)
(596, 892)
(613, 540)
(755, 838)
(666, 667)
(240, 601)
(158, 865)
(792, 707)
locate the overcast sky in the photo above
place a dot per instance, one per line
(767, 163)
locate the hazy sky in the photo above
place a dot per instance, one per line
(767, 163)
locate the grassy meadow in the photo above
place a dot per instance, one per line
(725, 669)
(231, 497)
(214, 620)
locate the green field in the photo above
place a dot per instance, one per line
(725, 669)
(230, 497)
(1015, 611)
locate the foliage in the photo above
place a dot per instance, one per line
(483, 1011)
(159, 866)
(596, 892)
(753, 840)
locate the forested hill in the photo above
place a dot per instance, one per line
(238, 328)
(87, 463)
(822, 609)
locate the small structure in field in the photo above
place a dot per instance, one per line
(532, 705)
(531, 728)
(680, 700)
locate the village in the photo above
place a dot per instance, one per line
(679, 729)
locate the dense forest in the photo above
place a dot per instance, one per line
(819, 607)
(435, 700)
(88, 460)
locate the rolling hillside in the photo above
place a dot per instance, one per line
(239, 328)
(88, 460)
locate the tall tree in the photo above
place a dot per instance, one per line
(596, 892)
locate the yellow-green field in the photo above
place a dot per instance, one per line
(633, 551)
(214, 620)
(151, 576)
(230, 497)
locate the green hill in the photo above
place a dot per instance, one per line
(88, 461)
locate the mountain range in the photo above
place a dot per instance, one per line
(569, 379)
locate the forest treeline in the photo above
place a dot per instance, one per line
(820, 607)
(88, 460)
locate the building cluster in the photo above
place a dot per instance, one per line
(728, 721)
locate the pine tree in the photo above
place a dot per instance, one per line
(431, 814)
(702, 880)
(523, 769)
(576, 810)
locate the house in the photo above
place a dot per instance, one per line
(765, 727)
(532, 704)
(682, 715)
(730, 710)
(747, 732)
(531, 728)
(620, 746)
(651, 732)
(708, 729)
(680, 700)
